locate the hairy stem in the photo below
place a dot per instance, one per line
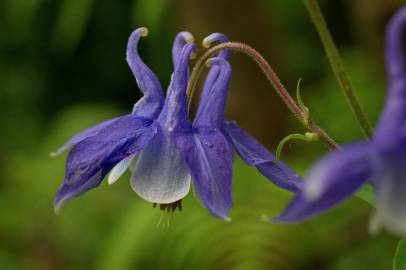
(272, 78)
(338, 66)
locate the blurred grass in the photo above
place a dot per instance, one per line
(62, 69)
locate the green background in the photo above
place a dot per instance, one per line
(63, 68)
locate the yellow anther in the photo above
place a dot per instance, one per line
(208, 64)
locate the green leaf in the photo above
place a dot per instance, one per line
(399, 261)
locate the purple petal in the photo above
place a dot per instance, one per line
(213, 73)
(83, 135)
(175, 111)
(217, 37)
(151, 103)
(393, 117)
(210, 161)
(160, 174)
(224, 54)
(180, 41)
(255, 154)
(90, 160)
(69, 191)
(213, 105)
(330, 181)
(395, 64)
(90, 155)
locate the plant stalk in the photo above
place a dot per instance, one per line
(338, 66)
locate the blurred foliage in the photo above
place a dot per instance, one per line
(399, 262)
(62, 69)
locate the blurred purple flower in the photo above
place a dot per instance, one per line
(380, 161)
(163, 148)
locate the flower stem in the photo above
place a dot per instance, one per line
(338, 66)
(272, 78)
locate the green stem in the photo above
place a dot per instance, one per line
(338, 66)
(272, 78)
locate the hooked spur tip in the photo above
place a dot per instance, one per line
(206, 43)
(144, 31)
(189, 37)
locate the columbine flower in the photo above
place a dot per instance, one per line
(163, 148)
(98, 149)
(380, 161)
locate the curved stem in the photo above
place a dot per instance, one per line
(265, 67)
(308, 137)
(272, 78)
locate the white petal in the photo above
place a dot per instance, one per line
(132, 165)
(160, 173)
(120, 169)
(391, 203)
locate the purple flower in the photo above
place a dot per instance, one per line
(380, 161)
(100, 148)
(163, 149)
